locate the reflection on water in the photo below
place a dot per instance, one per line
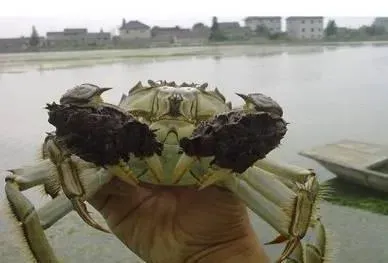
(17, 63)
(307, 51)
(326, 96)
(347, 194)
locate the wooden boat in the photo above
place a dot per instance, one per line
(357, 162)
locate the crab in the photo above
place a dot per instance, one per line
(169, 134)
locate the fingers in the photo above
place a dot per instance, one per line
(119, 192)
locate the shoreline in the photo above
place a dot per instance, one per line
(41, 61)
(215, 44)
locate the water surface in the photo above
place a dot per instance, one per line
(326, 94)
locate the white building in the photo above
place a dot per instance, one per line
(272, 23)
(305, 27)
(134, 30)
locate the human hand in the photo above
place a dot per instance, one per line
(176, 224)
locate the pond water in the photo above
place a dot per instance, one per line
(327, 94)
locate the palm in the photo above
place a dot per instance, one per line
(179, 224)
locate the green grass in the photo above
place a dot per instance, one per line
(352, 195)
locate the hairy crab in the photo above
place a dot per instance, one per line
(165, 133)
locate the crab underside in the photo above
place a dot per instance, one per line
(169, 134)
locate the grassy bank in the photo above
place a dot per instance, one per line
(253, 41)
(352, 195)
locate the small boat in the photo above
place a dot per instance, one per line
(357, 162)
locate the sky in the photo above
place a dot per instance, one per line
(18, 16)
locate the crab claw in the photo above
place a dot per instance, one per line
(235, 140)
(82, 211)
(182, 167)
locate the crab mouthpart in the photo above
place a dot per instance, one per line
(182, 167)
(156, 167)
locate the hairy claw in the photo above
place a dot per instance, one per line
(106, 137)
(236, 139)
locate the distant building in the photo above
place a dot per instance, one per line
(169, 34)
(305, 27)
(228, 25)
(272, 23)
(99, 39)
(233, 30)
(77, 37)
(69, 36)
(381, 22)
(134, 30)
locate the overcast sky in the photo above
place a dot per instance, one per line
(18, 16)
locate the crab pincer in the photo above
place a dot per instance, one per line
(235, 139)
(105, 137)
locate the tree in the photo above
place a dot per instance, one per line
(262, 31)
(215, 32)
(375, 30)
(331, 28)
(34, 38)
(123, 23)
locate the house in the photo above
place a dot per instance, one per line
(305, 27)
(69, 36)
(168, 34)
(99, 39)
(199, 34)
(272, 23)
(201, 28)
(381, 22)
(228, 25)
(77, 37)
(233, 30)
(134, 30)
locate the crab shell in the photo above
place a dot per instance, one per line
(173, 112)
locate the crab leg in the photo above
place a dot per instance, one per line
(31, 175)
(54, 210)
(33, 222)
(25, 213)
(316, 252)
(289, 210)
(69, 176)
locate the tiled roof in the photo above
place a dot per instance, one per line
(303, 17)
(249, 18)
(134, 25)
